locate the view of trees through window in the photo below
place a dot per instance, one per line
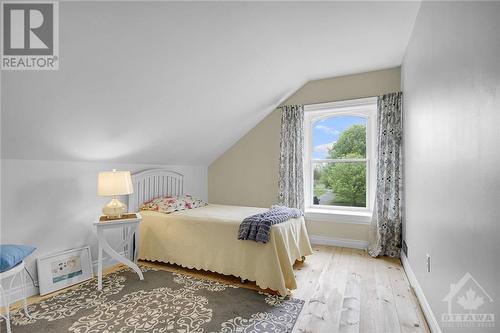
(339, 161)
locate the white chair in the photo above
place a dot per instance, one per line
(5, 293)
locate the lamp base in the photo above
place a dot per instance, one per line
(114, 209)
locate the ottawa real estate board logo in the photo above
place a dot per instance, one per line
(469, 306)
(30, 35)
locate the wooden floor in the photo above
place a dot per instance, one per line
(345, 290)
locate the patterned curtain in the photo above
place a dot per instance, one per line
(291, 175)
(385, 231)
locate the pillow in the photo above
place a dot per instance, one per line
(11, 255)
(170, 204)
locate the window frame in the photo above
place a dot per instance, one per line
(363, 107)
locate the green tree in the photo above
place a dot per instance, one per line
(348, 180)
(352, 143)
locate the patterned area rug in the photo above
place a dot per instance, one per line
(162, 302)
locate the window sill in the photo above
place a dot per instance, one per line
(338, 216)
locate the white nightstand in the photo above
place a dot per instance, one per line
(130, 224)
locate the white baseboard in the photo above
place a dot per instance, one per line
(341, 242)
(429, 315)
(16, 293)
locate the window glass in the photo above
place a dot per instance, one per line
(339, 137)
(339, 184)
(339, 161)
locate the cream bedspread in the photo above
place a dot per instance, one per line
(206, 238)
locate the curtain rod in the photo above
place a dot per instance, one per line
(341, 100)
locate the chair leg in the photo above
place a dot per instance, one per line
(25, 301)
(7, 321)
(6, 298)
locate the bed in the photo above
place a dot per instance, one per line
(206, 237)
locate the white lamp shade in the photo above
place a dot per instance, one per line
(111, 183)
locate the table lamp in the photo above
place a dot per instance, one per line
(113, 183)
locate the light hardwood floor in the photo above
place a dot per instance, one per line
(345, 290)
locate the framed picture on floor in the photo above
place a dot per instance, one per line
(64, 269)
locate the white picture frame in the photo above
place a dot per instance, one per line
(64, 269)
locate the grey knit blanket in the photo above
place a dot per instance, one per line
(258, 227)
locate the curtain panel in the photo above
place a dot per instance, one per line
(386, 226)
(291, 170)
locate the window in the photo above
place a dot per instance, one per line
(339, 165)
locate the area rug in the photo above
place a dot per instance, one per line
(162, 302)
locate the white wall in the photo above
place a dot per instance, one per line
(52, 205)
(451, 85)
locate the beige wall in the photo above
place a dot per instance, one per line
(247, 173)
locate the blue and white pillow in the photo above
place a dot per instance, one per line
(11, 255)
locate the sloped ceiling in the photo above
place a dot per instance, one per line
(179, 83)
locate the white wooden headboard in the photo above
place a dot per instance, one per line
(154, 183)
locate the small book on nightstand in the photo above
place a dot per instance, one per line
(129, 216)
